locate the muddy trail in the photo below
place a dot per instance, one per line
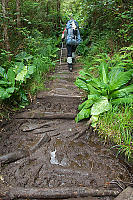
(44, 154)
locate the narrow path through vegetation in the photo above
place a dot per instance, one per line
(43, 147)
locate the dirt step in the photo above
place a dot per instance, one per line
(57, 83)
(51, 102)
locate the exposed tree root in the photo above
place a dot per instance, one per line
(41, 142)
(14, 156)
(55, 193)
(31, 127)
(17, 155)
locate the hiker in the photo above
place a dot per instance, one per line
(71, 35)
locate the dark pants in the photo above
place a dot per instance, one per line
(70, 50)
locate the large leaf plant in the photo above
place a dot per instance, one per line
(11, 81)
(112, 86)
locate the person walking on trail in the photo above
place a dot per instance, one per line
(71, 35)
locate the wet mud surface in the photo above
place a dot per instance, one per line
(61, 153)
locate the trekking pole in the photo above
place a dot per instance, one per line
(61, 52)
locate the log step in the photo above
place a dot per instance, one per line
(55, 193)
(50, 94)
(35, 114)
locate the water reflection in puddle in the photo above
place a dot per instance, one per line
(94, 159)
(54, 160)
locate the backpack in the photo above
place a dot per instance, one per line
(73, 34)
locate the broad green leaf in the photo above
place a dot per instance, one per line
(94, 120)
(83, 114)
(81, 105)
(31, 69)
(23, 56)
(81, 84)
(2, 72)
(23, 95)
(103, 69)
(93, 90)
(22, 74)
(18, 67)
(123, 100)
(121, 80)
(2, 90)
(4, 94)
(123, 92)
(11, 76)
(104, 73)
(94, 82)
(114, 73)
(100, 106)
(93, 97)
(86, 104)
(28, 57)
(10, 90)
(84, 74)
(5, 83)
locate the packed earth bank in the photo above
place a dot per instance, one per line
(54, 151)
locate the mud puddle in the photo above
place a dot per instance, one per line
(66, 162)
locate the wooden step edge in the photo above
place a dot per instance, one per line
(44, 95)
(44, 115)
(55, 193)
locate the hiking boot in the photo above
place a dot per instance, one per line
(70, 67)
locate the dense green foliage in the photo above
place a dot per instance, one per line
(107, 89)
(27, 53)
(37, 59)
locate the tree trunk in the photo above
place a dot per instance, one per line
(58, 14)
(47, 9)
(18, 13)
(5, 27)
